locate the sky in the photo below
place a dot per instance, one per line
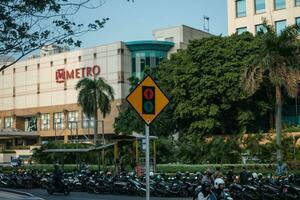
(130, 21)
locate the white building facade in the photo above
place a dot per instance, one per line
(247, 15)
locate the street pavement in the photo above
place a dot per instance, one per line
(86, 196)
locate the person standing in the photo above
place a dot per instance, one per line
(244, 177)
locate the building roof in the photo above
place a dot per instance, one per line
(155, 45)
(17, 133)
(79, 150)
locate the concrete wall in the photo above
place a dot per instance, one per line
(180, 35)
(252, 19)
(6, 157)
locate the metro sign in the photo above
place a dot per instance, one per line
(63, 74)
(148, 100)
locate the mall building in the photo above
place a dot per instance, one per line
(38, 99)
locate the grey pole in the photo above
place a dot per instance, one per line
(147, 163)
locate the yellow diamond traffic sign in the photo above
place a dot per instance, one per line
(148, 100)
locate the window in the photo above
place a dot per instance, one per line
(298, 23)
(0, 123)
(260, 28)
(86, 120)
(280, 26)
(260, 6)
(65, 61)
(241, 30)
(72, 119)
(58, 120)
(31, 124)
(133, 66)
(95, 55)
(297, 2)
(45, 122)
(79, 58)
(240, 8)
(279, 4)
(8, 122)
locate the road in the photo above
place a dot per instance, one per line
(86, 196)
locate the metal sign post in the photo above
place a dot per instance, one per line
(148, 100)
(147, 163)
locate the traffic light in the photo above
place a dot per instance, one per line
(148, 100)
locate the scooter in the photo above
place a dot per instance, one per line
(61, 188)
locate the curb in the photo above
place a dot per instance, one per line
(16, 192)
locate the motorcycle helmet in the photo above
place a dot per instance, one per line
(108, 173)
(151, 174)
(206, 185)
(132, 174)
(291, 178)
(158, 177)
(178, 175)
(218, 182)
(260, 176)
(254, 175)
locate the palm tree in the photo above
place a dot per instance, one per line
(95, 94)
(278, 61)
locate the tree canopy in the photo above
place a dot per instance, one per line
(27, 25)
(204, 82)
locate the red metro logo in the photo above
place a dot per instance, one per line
(62, 74)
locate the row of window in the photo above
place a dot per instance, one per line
(120, 51)
(58, 121)
(279, 26)
(260, 6)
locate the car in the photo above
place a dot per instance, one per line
(14, 162)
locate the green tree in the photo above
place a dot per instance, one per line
(95, 94)
(277, 61)
(204, 85)
(129, 121)
(28, 25)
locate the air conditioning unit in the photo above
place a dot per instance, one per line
(72, 119)
(58, 120)
(45, 121)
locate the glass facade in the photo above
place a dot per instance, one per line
(146, 58)
(86, 120)
(260, 6)
(260, 28)
(8, 122)
(58, 119)
(241, 10)
(298, 21)
(147, 54)
(297, 2)
(279, 4)
(72, 119)
(45, 122)
(280, 26)
(241, 30)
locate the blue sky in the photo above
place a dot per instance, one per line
(135, 21)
